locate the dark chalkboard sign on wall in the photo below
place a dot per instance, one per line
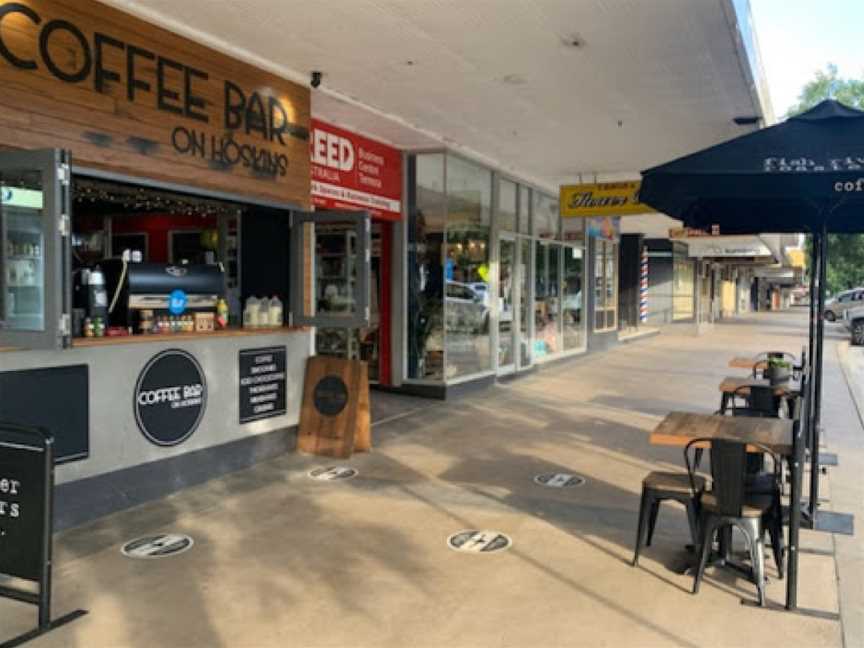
(56, 399)
(262, 383)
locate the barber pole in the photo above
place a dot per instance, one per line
(643, 287)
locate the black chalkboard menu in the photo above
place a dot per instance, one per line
(262, 383)
(24, 481)
(54, 398)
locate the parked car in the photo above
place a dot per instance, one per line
(841, 302)
(466, 308)
(853, 320)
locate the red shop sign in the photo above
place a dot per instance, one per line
(353, 172)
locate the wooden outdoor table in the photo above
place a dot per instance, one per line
(678, 428)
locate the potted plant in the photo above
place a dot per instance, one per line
(779, 370)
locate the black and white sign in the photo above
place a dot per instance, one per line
(333, 473)
(170, 397)
(22, 508)
(262, 383)
(157, 546)
(330, 395)
(479, 542)
(559, 480)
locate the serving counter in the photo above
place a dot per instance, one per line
(160, 412)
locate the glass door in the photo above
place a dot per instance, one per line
(524, 334)
(332, 287)
(34, 249)
(507, 285)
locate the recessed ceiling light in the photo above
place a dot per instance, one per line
(409, 62)
(573, 40)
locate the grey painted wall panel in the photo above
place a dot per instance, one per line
(116, 442)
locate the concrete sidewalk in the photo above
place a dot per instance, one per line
(282, 560)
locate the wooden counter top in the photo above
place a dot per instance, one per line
(180, 337)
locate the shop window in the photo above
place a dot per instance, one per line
(546, 216)
(426, 219)
(547, 302)
(572, 297)
(605, 285)
(683, 286)
(466, 268)
(508, 206)
(524, 210)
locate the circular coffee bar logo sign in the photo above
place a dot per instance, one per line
(170, 397)
(330, 395)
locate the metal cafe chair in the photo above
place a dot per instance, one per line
(755, 400)
(728, 504)
(659, 486)
(762, 401)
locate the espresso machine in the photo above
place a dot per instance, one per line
(136, 287)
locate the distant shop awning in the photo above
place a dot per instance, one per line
(602, 199)
(796, 258)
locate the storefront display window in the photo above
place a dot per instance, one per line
(466, 268)
(605, 285)
(683, 286)
(571, 297)
(546, 216)
(426, 219)
(524, 210)
(508, 206)
(547, 312)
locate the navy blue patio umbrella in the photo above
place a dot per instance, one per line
(805, 175)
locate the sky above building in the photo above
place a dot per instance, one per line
(799, 37)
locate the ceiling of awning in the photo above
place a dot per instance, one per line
(548, 89)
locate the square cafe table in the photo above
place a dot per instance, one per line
(776, 434)
(744, 362)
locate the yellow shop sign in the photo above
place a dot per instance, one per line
(603, 199)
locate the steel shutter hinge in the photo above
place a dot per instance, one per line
(64, 174)
(64, 326)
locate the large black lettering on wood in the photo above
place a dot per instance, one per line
(23, 482)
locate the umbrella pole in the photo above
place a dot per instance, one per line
(802, 435)
(817, 381)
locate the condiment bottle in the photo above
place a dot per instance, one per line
(252, 312)
(275, 311)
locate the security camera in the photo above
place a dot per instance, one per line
(316, 79)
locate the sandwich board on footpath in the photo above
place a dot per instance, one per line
(334, 418)
(26, 522)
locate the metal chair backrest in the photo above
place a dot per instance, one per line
(728, 470)
(728, 473)
(758, 400)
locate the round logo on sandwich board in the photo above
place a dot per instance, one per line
(157, 546)
(333, 473)
(559, 480)
(479, 542)
(170, 397)
(330, 395)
